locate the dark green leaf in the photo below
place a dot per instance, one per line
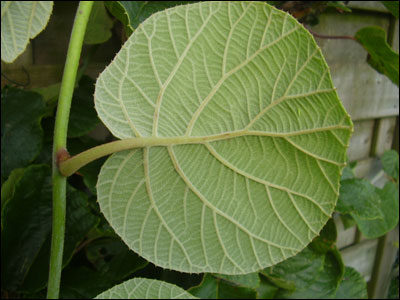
(390, 162)
(266, 290)
(381, 56)
(393, 7)
(21, 132)
(99, 26)
(326, 239)
(251, 280)
(212, 287)
(228, 290)
(132, 13)
(297, 271)
(113, 258)
(389, 205)
(352, 286)
(207, 289)
(360, 197)
(323, 285)
(83, 117)
(26, 225)
(79, 221)
(83, 283)
(347, 221)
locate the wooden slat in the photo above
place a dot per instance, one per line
(365, 93)
(384, 135)
(345, 237)
(360, 142)
(361, 257)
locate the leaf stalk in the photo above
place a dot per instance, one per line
(60, 141)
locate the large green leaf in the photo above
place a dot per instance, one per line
(380, 55)
(352, 286)
(389, 206)
(142, 288)
(249, 138)
(390, 162)
(21, 21)
(21, 131)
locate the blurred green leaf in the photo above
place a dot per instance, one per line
(359, 197)
(21, 132)
(347, 173)
(99, 26)
(381, 56)
(393, 7)
(389, 206)
(390, 162)
(339, 5)
(266, 290)
(352, 286)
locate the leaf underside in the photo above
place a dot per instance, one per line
(21, 21)
(250, 83)
(143, 288)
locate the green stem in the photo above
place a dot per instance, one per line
(60, 142)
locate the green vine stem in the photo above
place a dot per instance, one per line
(60, 142)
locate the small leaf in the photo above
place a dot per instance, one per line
(389, 206)
(21, 132)
(98, 29)
(381, 56)
(235, 180)
(390, 162)
(359, 197)
(21, 21)
(8, 187)
(142, 288)
(352, 286)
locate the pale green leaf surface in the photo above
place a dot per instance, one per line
(143, 288)
(21, 21)
(254, 138)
